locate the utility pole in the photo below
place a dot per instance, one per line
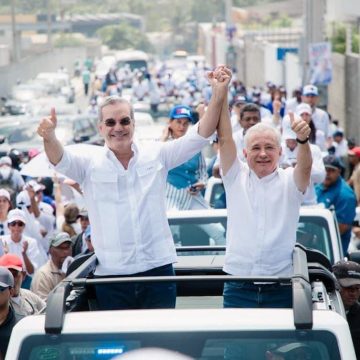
(230, 32)
(49, 23)
(14, 35)
(314, 12)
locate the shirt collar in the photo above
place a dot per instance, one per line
(134, 147)
(264, 179)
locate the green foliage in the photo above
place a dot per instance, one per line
(68, 40)
(338, 40)
(124, 36)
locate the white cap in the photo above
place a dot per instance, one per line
(5, 194)
(309, 90)
(16, 215)
(303, 108)
(23, 199)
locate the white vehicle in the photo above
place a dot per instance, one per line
(317, 229)
(146, 129)
(315, 327)
(135, 59)
(58, 83)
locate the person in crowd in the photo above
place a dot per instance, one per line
(71, 215)
(23, 246)
(121, 185)
(235, 107)
(340, 144)
(335, 191)
(319, 117)
(5, 207)
(10, 178)
(51, 273)
(86, 79)
(8, 317)
(185, 183)
(288, 158)
(263, 203)
(348, 276)
(23, 301)
(354, 180)
(79, 241)
(87, 240)
(293, 102)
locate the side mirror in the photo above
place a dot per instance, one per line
(2, 139)
(82, 138)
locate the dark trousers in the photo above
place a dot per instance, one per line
(249, 295)
(138, 295)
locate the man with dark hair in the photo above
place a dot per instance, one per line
(8, 317)
(348, 276)
(335, 191)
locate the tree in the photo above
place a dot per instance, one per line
(124, 36)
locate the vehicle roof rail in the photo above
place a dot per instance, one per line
(301, 290)
(56, 302)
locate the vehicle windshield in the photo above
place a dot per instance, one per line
(313, 232)
(305, 345)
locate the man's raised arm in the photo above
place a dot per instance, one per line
(302, 169)
(219, 80)
(46, 129)
(227, 145)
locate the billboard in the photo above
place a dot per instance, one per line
(320, 65)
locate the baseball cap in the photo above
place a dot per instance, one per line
(332, 161)
(6, 278)
(23, 199)
(83, 212)
(180, 112)
(303, 109)
(5, 194)
(16, 215)
(310, 90)
(338, 133)
(11, 261)
(355, 151)
(59, 238)
(238, 100)
(347, 273)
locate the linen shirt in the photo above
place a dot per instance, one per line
(262, 221)
(129, 228)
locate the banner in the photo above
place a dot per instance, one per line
(320, 65)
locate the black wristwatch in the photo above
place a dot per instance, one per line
(302, 141)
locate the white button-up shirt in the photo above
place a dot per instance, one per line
(262, 221)
(129, 227)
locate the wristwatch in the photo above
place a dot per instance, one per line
(302, 141)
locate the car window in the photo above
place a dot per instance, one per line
(201, 345)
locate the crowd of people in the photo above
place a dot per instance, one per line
(273, 155)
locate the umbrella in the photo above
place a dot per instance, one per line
(40, 166)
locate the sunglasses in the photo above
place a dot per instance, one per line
(112, 122)
(3, 288)
(18, 223)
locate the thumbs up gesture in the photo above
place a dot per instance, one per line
(300, 127)
(47, 126)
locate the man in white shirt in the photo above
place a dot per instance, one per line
(263, 203)
(288, 158)
(124, 192)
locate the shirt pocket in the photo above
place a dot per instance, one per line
(105, 186)
(149, 177)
